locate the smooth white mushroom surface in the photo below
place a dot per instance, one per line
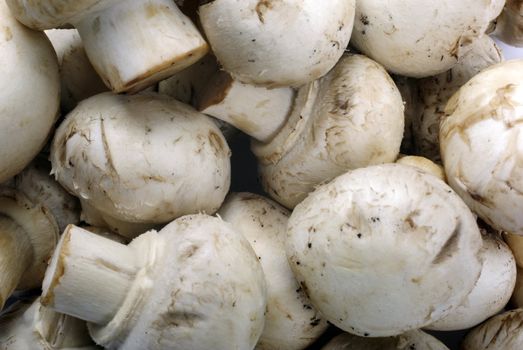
(291, 323)
(434, 93)
(277, 43)
(501, 332)
(482, 145)
(196, 284)
(351, 118)
(420, 38)
(30, 93)
(413, 340)
(509, 25)
(384, 249)
(492, 290)
(142, 159)
(35, 327)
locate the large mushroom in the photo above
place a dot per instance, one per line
(384, 249)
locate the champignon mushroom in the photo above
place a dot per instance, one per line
(141, 159)
(434, 93)
(291, 323)
(30, 96)
(492, 290)
(384, 241)
(481, 145)
(420, 38)
(196, 284)
(277, 43)
(501, 332)
(509, 25)
(412, 340)
(132, 44)
(35, 327)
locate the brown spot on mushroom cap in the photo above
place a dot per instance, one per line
(261, 8)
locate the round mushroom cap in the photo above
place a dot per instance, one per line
(482, 145)
(291, 323)
(142, 158)
(501, 332)
(278, 43)
(384, 249)
(420, 38)
(416, 339)
(30, 97)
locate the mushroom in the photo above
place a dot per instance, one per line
(434, 93)
(196, 284)
(424, 164)
(420, 38)
(290, 320)
(144, 159)
(501, 332)
(30, 95)
(384, 241)
(480, 145)
(492, 290)
(35, 327)
(277, 43)
(415, 339)
(509, 25)
(78, 78)
(131, 44)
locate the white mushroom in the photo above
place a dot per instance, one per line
(420, 38)
(481, 145)
(197, 284)
(290, 321)
(434, 93)
(413, 340)
(35, 327)
(131, 44)
(491, 292)
(277, 43)
(30, 95)
(423, 164)
(509, 25)
(351, 118)
(141, 159)
(502, 332)
(381, 242)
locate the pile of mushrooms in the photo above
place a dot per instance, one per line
(261, 175)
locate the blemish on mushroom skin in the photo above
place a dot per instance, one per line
(59, 272)
(8, 34)
(448, 249)
(262, 7)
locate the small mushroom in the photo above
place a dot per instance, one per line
(143, 159)
(36, 327)
(412, 340)
(291, 323)
(29, 101)
(434, 93)
(509, 25)
(420, 38)
(196, 284)
(492, 290)
(277, 43)
(384, 241)
(501, 332)
(481, 146)
(131, 44)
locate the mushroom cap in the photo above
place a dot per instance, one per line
(420, 38)
(434, 93)
(481, 145)
(30, 96)
(384, 249)
(492, 290)
(204, 289)
(290, 321)
(351, 118)
(278, 43)
(415, 339)
(501, 332)
(142, 158)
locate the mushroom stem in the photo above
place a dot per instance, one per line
(90, 276)
(16, 254)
